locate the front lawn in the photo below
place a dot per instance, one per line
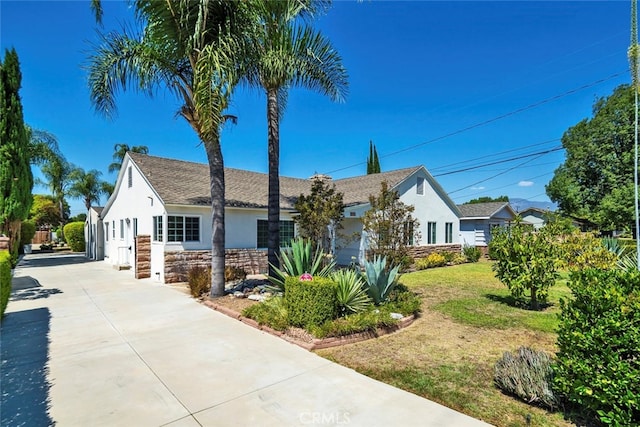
(468, 321)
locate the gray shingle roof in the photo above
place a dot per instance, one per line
(481, 210)
(187, 183)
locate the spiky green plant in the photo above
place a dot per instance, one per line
(299, 259)
(379, 281)
(352, 297)
(613, 245)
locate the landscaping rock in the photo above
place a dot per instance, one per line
(396, 316)
(239, 294)
(257, 297)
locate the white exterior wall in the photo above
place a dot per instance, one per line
(241, 226)
(138, 201)
(429, 207)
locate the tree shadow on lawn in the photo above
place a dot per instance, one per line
(512, 302)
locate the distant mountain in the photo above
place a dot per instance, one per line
(519, 205)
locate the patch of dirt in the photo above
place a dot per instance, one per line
(233, 303)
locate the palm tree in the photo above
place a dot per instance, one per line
(57, 172)
(288, 52)
(87, 186)
(119, 152)
(190, 48)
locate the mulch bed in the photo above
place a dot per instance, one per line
(232, 307)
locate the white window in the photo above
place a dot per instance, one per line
(113, 228)
(106, 235)
(448, 232)
(157, 229)
(183, 228)
(122, 229)
(135, 227)
(420, 186)
(431, 233)
(129, 177)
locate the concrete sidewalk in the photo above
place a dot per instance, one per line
(85, 345)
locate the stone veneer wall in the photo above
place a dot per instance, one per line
(143, 256)
(422, 251)
(177, 264)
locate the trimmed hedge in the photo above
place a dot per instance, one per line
(27, 231)
(5, 280)
(74, 235)
(598, 365)
(310, 303)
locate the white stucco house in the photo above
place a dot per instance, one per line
(167, 202)
(477, 220)
(94, 234)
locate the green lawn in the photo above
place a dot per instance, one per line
(448, 354)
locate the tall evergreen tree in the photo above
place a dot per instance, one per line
(373, 164)
(16, 179)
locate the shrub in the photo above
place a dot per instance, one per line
(583, 250)
(598, 363)
(199, 279)
(526, 261)
(350, 292)
(379, 281)
(459, 259)
(432, 260)
(526, 374)
(271, 312)
(74, 235)
(471, 253)
(404, 302)
(368, 320)
(310, 302)
(297, 260)
(5, 280)
(27, 231)
(234, 273)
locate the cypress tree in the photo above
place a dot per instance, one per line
(373, 164)
(16, 179)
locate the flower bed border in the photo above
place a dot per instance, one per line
(316, 343)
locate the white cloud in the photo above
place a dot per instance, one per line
(477, 188)
(525, 183)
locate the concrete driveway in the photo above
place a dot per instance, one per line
(85, 345)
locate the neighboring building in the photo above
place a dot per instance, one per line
(94, 234)
(477, 220)
(167, 203)
(534, 216)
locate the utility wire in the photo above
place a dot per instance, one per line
(486, 122)
(496, 175)
(493, 155)
(502, 186)
(524, 156)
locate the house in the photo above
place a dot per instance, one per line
(94, 234)
(534, 216)
(158, 219)
(477, 220)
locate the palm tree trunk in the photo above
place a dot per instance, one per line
(216, 177)
(273, 234)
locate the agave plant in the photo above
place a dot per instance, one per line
(379, 281)
(352, 297)
(299, 259)
(613, 245)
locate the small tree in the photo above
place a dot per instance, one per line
(526, 261)
(321, 213)
(390, 227)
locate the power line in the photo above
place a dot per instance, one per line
(524, 156)
(497, 175)
(503, 186)
(486, 122)
(494, 154)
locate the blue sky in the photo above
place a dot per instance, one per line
(420, 74)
